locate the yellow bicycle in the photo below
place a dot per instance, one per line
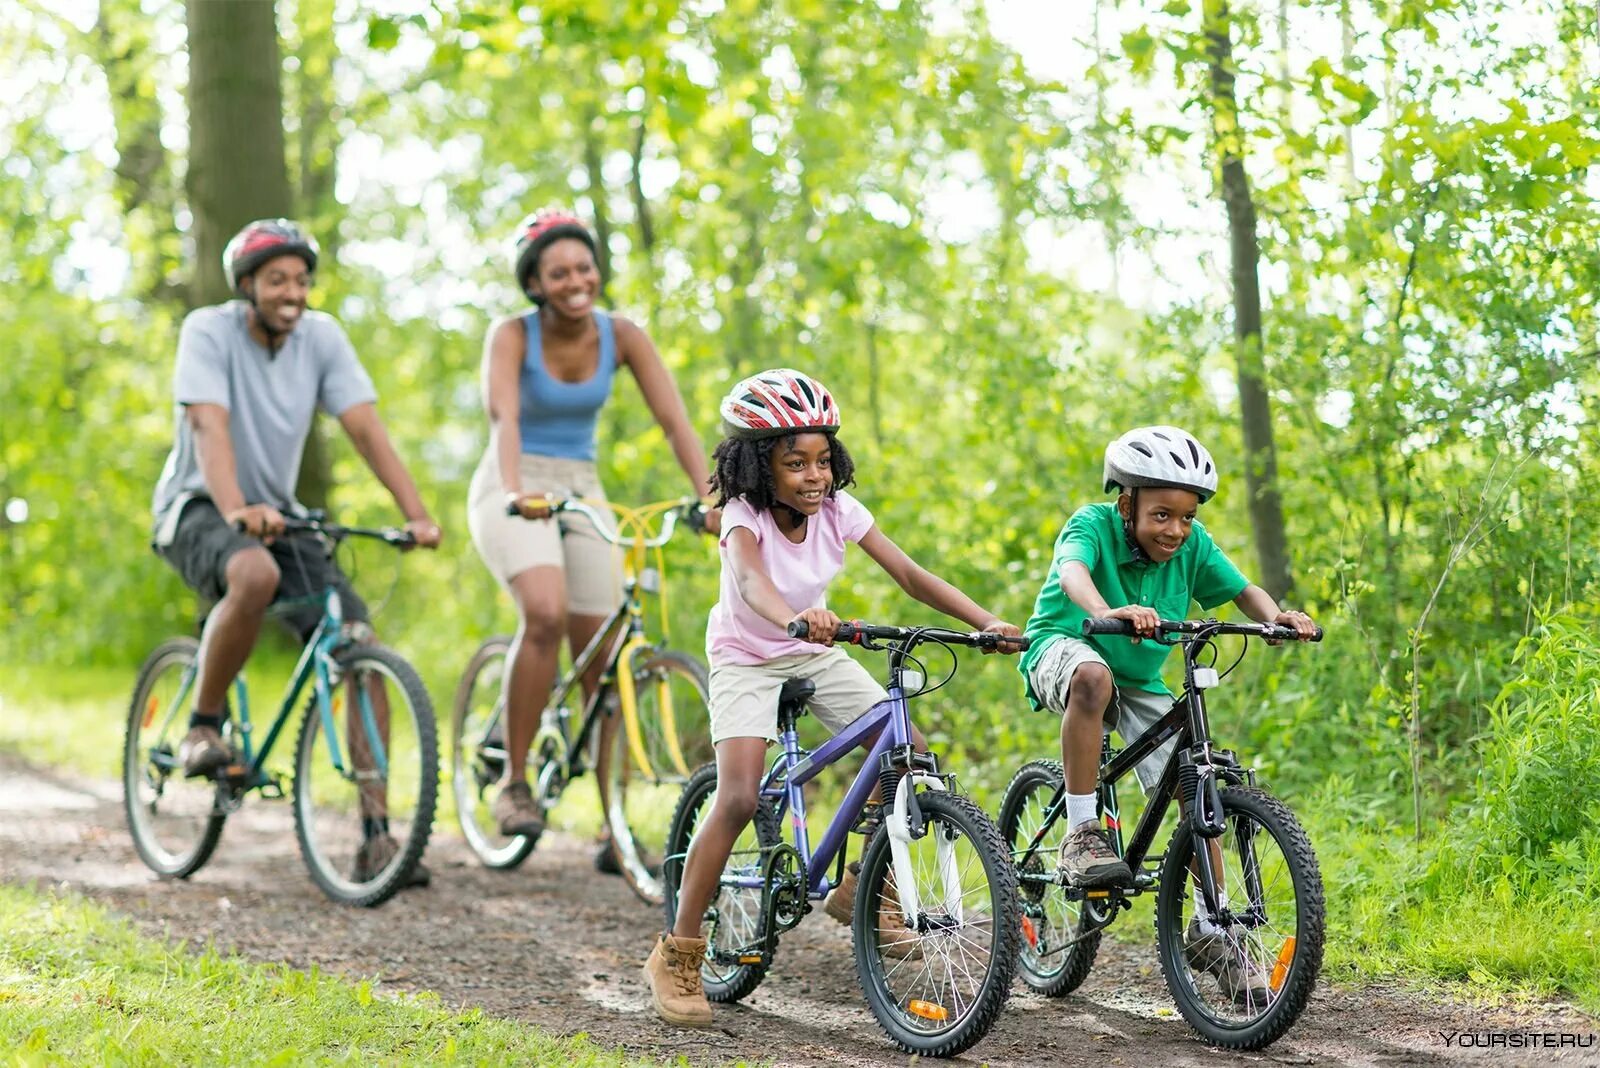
(656, 694)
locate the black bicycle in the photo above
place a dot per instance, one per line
(1242, 978)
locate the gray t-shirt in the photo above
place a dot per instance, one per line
(271, 401)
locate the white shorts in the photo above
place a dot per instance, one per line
(744, 697)
(1131, 712)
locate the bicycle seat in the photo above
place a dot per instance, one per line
(792, 701)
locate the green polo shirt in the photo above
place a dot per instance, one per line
(1093, 537)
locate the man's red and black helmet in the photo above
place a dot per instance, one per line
(261, 241)
(538, 232)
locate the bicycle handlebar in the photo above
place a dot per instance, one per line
(689, 510)
(855, 631)
(1270, 631)
(400, 539)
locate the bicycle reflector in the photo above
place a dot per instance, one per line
(149, 712)
(1280, 968)
(1030, 932)
(927, 1010)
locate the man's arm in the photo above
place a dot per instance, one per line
(366, 430)
(1259, 605)
(213, 446)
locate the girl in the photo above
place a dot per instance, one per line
(780, 478)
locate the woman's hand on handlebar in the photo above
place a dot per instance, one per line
(1005, 630)
(1144, 620)
(258, 520)
(821, 623)
(711, 522)
(529, 505)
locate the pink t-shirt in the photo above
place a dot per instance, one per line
(735, 632)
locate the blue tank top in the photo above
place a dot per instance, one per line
(559, 418)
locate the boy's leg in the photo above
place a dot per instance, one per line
(1072, 678)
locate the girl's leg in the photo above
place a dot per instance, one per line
(741, 762)
(541, 597)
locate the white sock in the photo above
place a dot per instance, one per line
(1203, 914)
(1080, 810)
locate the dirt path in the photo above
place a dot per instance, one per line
(557, 945)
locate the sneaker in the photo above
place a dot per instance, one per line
(1226, 956)
(1087, 859)
(375, 854)
(516, 811)
(605, 859)
(896, 939)
(673, 974)
(203, 752)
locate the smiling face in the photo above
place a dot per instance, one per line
(1162, 520)
(279, 288)
(802, 471)
(566, 278)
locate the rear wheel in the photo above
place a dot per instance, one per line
(478, 757)
(1056, 953)
(175, 821)
(364, 792)
(733, 920)
(1245, 985)
(943, 997)
(672, 695)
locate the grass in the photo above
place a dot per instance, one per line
(80, 986)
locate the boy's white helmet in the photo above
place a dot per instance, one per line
(1160, 456)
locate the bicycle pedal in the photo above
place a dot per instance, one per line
(234, 773)
(752, 958)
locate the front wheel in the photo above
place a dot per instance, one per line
(1058, 942)
(364, 791)
(942, 996)
(1243, 980)
(672, 697)
(478, 757)
(175, 821)
(733, 924)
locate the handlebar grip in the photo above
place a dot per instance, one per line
(1317, 637)
(799, 628)
(550, 503)
(1107, 626)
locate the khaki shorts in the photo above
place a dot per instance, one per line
(1131, 712)
(511, 545)
(744, 697)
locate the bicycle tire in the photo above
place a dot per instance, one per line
(470, 775)
(627, 800)
(315, 847)
(1049, 916)
(735, 981)
(1300, 973)
(140, 773)
(958, 817)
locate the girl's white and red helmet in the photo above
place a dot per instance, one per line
(261, 241)
(778, 401)
(1160, 456)
(537, 232)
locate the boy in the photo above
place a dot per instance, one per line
(1141, 559)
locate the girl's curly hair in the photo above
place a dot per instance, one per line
(744, 469)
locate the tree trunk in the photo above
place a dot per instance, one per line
(1261, 462)
(237, 166)
(597, 196)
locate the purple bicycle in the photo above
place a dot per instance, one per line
(937, 922)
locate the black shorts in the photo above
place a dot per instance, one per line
(204, 543)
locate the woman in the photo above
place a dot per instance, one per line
(546, 375)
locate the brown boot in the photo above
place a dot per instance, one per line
(897, 940)
(203, 752)
(517, 812)
(673, 974)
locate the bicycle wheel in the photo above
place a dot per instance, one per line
(635, 799)
(1057, 954)
(733, 921)
(941, 1000)
(1272, 926)
(478, 757)
(364, 793)
(175, 821)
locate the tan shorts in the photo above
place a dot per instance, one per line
(1131, 712)
(511, 545)
(744, 697)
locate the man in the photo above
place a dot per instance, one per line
(250, 375)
